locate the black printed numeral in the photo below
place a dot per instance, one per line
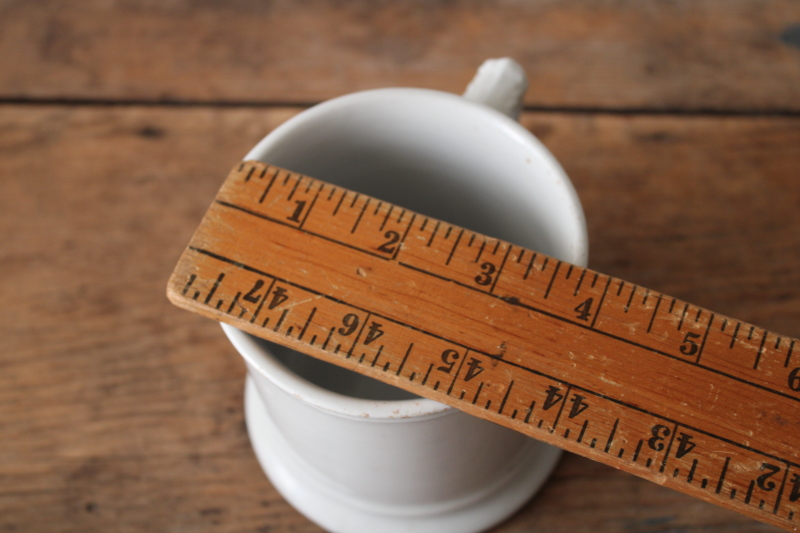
(485, 277)
(389, 246)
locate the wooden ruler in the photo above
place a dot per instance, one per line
(624, 375)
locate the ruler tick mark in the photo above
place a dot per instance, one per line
(722, 475)
(611, 436)
(435, 229)
(550, 286)
(450, 257)
(544, 263)
(580, 281)
(690, 477)
(189, 284)
(653, 316)
(488, 403)
(569, 271)
(427, 374)
(234, 302)
(477, 393)
(638, 449)
(361, 214)
(268, 187)
(447, 234)
(338, 205)
(355, 199)
(294, 189)
(281, 319)
(405, 357)
(214, 288)
(308, 321)
(528, 271)
(505, 398)
(566, 434)
(760, 350)
(480, 251)
(529, 411)
(389, 212)
(327, 339)
(628, 305)
(735, 333)
(621, 453)
(749, 494)
(704, 483)
(583, 431)
(788, 355)
(330, 195)
(619, 289)
(750, 335)
(593, 443)
(380, 349)
(683, 316)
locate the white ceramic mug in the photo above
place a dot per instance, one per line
(350, 453)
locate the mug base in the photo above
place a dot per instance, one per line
(338, 513)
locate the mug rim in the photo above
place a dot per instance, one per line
(262, 360)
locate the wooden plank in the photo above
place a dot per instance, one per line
(119, 412)
(684, 55)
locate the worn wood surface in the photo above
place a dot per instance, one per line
(120, 412)
(739, 55)
(636, 379)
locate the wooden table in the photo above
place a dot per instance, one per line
(679, 123)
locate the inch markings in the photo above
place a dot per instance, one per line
(605, 368)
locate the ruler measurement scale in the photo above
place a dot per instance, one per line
(655, 386)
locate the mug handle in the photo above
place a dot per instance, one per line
(499, 84)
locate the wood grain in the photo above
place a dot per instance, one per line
(678, 55)
(119, 412)
(505, 334)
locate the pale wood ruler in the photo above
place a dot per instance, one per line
(671, 392)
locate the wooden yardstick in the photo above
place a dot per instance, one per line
(624, 375)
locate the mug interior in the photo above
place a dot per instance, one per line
(436, 154)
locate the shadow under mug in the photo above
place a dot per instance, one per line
(350, 453)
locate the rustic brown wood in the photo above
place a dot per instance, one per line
(119, 412)
(688, 54)
(636, 379)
